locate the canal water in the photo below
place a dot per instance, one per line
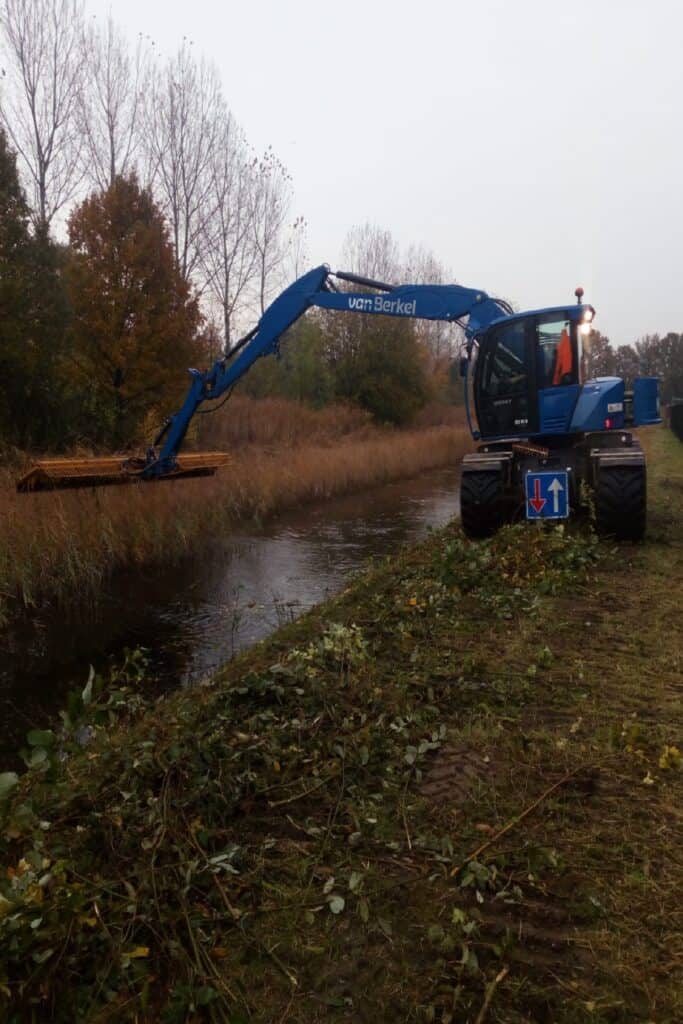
(194, 616)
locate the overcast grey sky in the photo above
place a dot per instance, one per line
(534, 145)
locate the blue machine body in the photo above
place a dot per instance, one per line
(600, 405)
(566, 409)
(646, 401)
(555, 408)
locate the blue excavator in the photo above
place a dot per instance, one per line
(550, 440)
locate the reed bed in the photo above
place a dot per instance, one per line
(60, 547)
(277, 421)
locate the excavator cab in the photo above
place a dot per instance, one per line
(526, 376)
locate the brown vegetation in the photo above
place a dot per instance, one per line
(277, 421)
(56, 546)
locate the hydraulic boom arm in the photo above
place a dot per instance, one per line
(316, 288)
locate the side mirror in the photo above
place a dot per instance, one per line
(463, 366)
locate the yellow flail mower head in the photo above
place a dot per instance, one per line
(57, 474)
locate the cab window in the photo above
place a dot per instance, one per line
(555, 353)
(505, 372)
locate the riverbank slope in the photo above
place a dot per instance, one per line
(451, 794)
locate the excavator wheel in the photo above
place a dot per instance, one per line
(482, 510)
(621, 502)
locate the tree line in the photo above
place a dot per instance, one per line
(176, 230)
(140, 232)
(96, 333)
(93, 332)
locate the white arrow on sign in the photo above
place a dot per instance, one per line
(555, 489)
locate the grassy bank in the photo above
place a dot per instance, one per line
(451, 794)
(62, 546)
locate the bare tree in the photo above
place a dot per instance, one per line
(441, 340)
(42, 41)
(297, 253)
(184, 118)
(110, 109)
(373, 252)
(227, 252)
(422, 266)
(270, 201)
(376, 360)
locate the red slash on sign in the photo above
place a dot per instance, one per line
(537, 502)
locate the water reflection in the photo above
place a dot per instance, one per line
(195, 615)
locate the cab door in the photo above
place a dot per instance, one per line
(557, 370)
(504, 380)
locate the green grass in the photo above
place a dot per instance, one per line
(451, 794)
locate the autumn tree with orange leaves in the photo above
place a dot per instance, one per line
(136, 324)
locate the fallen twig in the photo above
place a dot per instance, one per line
(520, 817)
(272, 955)
(489, 994)
(299, 796)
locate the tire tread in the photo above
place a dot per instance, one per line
(621, 502)
(481, 503)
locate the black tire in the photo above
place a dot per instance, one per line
(481, 503)
(621, 502)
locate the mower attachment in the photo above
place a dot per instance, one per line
(57, 474)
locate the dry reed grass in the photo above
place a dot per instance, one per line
(61, 546)
(435, 414)
(276, 421)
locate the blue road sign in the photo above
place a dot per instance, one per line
(547, 495)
